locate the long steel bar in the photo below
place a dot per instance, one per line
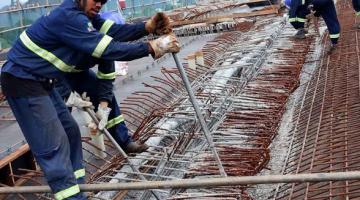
(122, 152)
(198, 113)
(198, 183)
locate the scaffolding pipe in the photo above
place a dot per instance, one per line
(198, 183)
(122, 152)
(198, 114)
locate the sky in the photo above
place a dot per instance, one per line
(7, 2)
(4, 3)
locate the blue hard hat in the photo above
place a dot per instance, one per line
(287, 3)
(114, 16)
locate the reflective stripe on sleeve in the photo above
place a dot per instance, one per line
(106, 26)
(108, 76)
(46, 55)
(100, 48)
(334, 36)
(79, 173)
(63, 194)
(115, 121)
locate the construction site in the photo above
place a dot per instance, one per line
(255, 113)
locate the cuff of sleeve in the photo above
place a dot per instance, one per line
(145, 49)
(142, 27)
(107, 99)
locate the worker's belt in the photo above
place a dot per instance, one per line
(48, 83)
(13, 86)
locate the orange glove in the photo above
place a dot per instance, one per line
(164, 44)
(159, 24)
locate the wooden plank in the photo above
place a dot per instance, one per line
(19, 152)
(226, 18)
(273, 10)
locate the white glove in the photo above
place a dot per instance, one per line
(165, 44)
(103, 115)
(75, 100)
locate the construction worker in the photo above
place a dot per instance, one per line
(63, 41)
(99, 88)
(356, 6)
(324, 8)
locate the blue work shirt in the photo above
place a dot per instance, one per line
(67, 41)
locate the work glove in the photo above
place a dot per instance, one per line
(103, 115)
(75, 100)
(159, 24)
(164, 44)
(313, 11)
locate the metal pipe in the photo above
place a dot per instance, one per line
(198, 113)
(122, 152)
(198, 183)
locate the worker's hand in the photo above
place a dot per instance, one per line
(164, 44)
(311, 7)
(312, 10)
(103, 115)
(159, 24)
(75, 100)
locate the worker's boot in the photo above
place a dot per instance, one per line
(331, 48)
(300, 34)
(134, 147)
(357, 25)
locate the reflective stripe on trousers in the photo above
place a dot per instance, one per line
(68, 192)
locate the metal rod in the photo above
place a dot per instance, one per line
(198, 183)
(122, 152)
(198, 113)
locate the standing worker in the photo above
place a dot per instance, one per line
(65, 41)
(324, 8)
(356, 6)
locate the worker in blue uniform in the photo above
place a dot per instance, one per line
(68, 40)
(324, 8)
(99, 89)
(356, 6)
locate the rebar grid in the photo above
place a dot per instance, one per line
(326, 133)
(244, 135)
(205, 11)
(184, 136)
(243, 113)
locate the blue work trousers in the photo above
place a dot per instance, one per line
(297, 16)
(327, 10)
(55, 140)
(356, 6)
